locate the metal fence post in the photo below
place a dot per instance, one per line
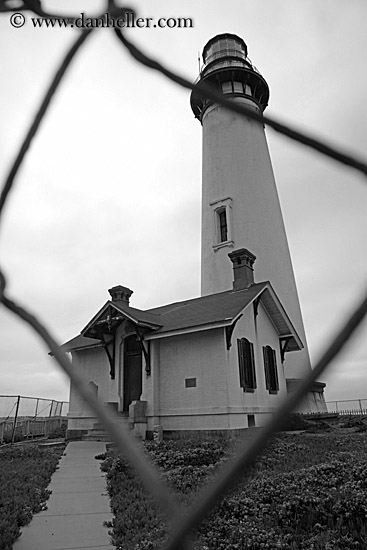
(47, 422)
(35, 419)
(60, 413)
(15, 420)
(49, 419)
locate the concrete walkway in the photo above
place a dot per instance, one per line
(77, 507)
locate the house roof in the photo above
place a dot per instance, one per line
(81, 342)
(221, 308)
(214, 310)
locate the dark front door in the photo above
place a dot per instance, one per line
(132, 371)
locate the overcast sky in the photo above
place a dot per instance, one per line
(110, 191)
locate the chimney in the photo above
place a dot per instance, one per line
(243, 272)
(120, 293)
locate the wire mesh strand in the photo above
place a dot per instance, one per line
(208, 92)
(55, 82)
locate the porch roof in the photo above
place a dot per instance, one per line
(81, 342)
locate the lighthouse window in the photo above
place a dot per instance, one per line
(227, 87)
(237, 87)
(222, 223)
(223, 228)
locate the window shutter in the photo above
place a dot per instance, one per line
(266, 368)
(247, 359)
(246, 364)
(241, 362)
(275, 369)
(252, 364)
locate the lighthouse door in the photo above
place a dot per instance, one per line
(132, 371)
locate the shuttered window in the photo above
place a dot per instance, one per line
(271, 370)
(246, 364)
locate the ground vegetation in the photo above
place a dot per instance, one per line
(308, 491)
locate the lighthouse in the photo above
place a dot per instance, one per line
(240, 203)
(225, 360)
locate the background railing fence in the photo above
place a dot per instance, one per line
(348, 406)
(28, 417)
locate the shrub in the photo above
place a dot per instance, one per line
(296, 421)
(358, 422)
(58, 433)
(173, 454)
(319, 426)
(137, 518)
(8, 438)
(305, 492)
(25, 473)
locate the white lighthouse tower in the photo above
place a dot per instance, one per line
(240, 204)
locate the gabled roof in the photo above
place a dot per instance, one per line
(221, 308)
(207, 312)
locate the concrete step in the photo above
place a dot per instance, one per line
(97, 437)
(97, 426)
(121, 417)
(98, 433)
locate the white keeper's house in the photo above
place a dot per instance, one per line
(225, 360)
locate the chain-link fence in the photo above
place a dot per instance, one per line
(23, 418)
(182, 524)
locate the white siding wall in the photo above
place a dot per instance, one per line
(94, 367)
(198, 355)
(260, 403)
(217, 401)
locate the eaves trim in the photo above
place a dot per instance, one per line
(188, 330)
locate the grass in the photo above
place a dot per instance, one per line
(307, 492)
(25, 473)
